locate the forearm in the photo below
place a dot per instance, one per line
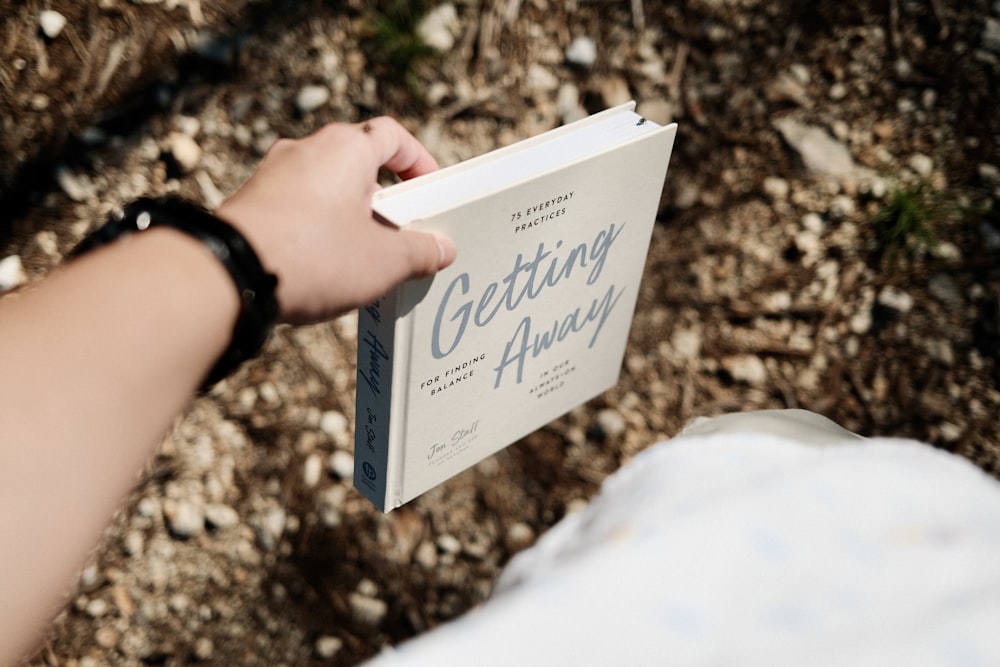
(97, 359)
(96, 362)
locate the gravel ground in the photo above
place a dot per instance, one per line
(773, 278)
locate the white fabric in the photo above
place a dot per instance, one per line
(740, 546)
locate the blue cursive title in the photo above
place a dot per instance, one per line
(530, 276)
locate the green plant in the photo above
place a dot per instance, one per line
(396, 47)
(904, 226)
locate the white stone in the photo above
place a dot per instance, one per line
(97, 607)
(438, 27)
(896, 299)
(941, 351)
(269, 526)
(331, 503)
(540, 78)
(367, 610)
(861, 322)
(334, 424)
(312, 470)
(268, 393)
(449, 544)
(48, 242)
(341, 464)
(842, 207)
(814, 223)
(185, 519)
(274, 521)
(133, 543)
(786, 87)
(519, 536)
(204, 649)
(820, 152)
(776, 188)
(51, 22)
(312, 97)
(76, 186)
(686, 343)
(582, 52)
(11, 273)
(991, 34)
(426, 555)
(612, 423)
(656, 109)
(568, 103)
(808, 243)
(148, 506)
(221, 516)
(921, 164)
(777, 302)
(950, 432)
(989, 173)
(184, 150)
(746, 368)
(327, 646)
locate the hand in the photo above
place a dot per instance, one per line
(307, 212)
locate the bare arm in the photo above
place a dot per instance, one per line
(100, 357)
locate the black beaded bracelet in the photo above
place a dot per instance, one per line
(256, 287)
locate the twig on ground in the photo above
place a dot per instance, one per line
(638, 15)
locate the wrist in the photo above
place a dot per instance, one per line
(254, 286)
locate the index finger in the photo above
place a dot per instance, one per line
(397, 149)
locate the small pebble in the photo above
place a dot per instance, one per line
(582, 52)
(746, 368)
(438, 27)
(133, 543)
(184, 519)
(776, 189)
(107, 637)
(448, 544)
(921, 164)
(51, 22)
(341, 465)
(204, 649)
(426, 555)
(270, 527)
(611, 422)
(519, 536)
(11, 273)
(896, 299)
(367, 610)
(310, 98)
(334, 424)
(184, 150)
(221, 516)
(97, 608)
(76, 186)
(326, 647)
(312, 470)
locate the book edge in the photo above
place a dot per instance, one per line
(499, 153)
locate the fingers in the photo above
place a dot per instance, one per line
(396, 149)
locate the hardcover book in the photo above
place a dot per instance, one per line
(533, 317)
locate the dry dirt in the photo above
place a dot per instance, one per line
(768, 283)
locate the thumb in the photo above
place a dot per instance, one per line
(426, 253)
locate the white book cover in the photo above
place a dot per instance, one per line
(533, 317)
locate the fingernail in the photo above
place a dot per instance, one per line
(446, 251)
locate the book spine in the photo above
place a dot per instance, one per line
(377, 330)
